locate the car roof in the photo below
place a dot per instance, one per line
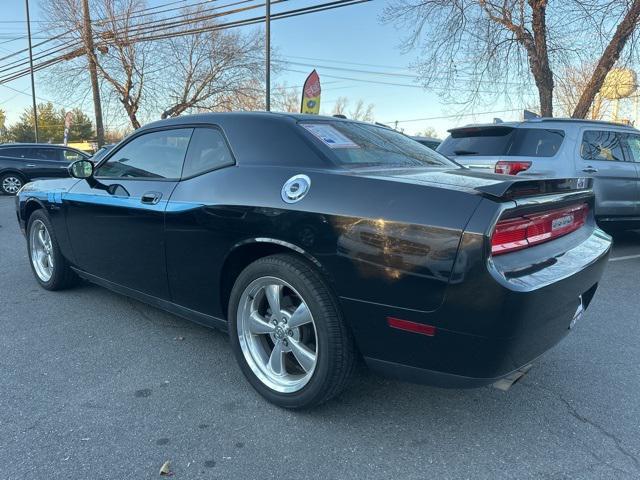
(547, 122)
(222, 117)
(33, 144)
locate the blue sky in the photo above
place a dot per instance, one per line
(350, 38)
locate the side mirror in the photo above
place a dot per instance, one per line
(81, 169)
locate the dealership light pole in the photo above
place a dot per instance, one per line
(33, 83)
(268, 54)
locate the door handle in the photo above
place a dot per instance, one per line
(589, 169)
(151, 198)
(31, 165)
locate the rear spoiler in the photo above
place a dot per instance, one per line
(521, 187)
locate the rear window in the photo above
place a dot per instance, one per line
(359, 145)
(503, 141)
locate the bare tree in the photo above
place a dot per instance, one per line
(204, 69)
(123, 64)
(362, 112)
(359, 112)
(610, 56)
(570, 85)
(286, 99)
(340, 107)
(475, 50)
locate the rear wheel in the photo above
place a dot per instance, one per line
(288, 334)
(10, 183)
(47, 262)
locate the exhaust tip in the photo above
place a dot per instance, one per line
(507, 382)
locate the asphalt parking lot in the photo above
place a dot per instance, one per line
(95, 385)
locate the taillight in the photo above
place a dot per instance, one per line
(516, 233)
(511, 168)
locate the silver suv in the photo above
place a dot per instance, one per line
(556, 147)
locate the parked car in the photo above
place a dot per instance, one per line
(554, 147)
(23, 162)
(314, 239)
(101, 152)
(430, 142)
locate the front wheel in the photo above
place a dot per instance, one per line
(47, 262)
(288, 334)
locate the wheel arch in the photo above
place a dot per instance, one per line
(248, 251)
(30, 206)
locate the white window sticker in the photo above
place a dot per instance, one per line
(330, 136)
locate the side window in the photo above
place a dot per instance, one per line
(151, 155)
(40, 153)
(13, 152)
(71, 156)
(634, 147)
(207, 151)
(601, 145)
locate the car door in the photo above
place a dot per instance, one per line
(199, 229)
(116, 218)
(45, 162)
(601, 156)
(632, 141)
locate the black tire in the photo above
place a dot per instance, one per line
(336, 355)
(62, 276)
(8, 187)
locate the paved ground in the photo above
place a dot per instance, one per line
(94, 385)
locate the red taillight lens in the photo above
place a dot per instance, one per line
(521, 232)
(511, 168)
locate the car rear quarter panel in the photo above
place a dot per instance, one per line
(377, 240)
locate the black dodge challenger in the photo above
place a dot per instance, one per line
(316, 240)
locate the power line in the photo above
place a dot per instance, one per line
(243, 22)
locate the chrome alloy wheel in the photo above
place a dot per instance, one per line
(11, 185)
(277, 334)
(41, 250)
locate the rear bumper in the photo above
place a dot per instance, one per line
(491, 323)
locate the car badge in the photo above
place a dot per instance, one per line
(295, 188)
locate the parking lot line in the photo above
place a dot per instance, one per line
(626, 257)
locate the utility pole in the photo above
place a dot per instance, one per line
(93, 72)
(33, 83)
(268, 54)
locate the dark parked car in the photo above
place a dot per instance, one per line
(430, 142)
(314, 240)
(23, 162)
(101, 152)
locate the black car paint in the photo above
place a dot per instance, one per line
(406, 243)
(30, 168)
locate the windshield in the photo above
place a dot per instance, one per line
(359, 145)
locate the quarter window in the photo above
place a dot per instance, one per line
(634, 147)
(71, 156)
(151, 155)
(207, 151)
(601, 145)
